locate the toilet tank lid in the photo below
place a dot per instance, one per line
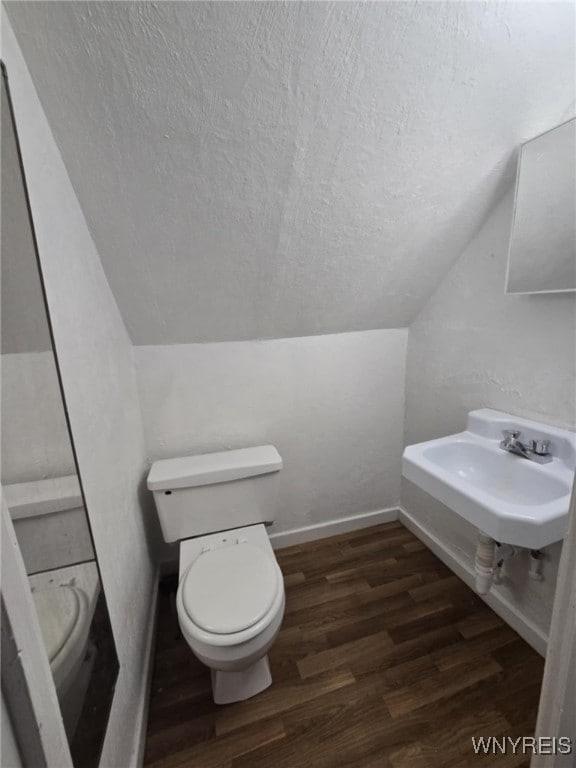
(208, 468)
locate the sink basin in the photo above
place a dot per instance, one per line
(508, 497)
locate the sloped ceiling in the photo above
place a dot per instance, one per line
(261, 170)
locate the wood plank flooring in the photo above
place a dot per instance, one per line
(385, 660)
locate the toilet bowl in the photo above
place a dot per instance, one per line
(230, 605)
(65, 623)
(230, 598)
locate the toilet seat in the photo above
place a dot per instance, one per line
(229, 595)
(228, 589)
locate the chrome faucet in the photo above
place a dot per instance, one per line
(533, 450)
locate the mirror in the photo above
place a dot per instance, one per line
(542, 253)
(40, 479)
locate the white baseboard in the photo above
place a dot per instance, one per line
(144, 698)
(533, 635)
(284, 539)
(332, 527)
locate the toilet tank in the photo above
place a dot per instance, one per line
(50, 522)
(212, 492)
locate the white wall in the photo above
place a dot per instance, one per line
(265, 170)
(332, 405)
(473, 346)
(23, 316)
(95, 356)
(35, 439)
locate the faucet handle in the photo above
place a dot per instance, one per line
(511, 434)
(541, 447)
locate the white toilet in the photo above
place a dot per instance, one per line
(63, 613)
(230, 599)
(66, 600)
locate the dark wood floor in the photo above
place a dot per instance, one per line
(385, 658)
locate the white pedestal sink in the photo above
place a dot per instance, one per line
(510, 498)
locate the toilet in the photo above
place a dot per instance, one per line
(65, 601)
(63, 614)
(230, 598)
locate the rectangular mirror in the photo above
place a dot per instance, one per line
(40, 479)
(542, 254)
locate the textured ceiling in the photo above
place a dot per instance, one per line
(260, 170)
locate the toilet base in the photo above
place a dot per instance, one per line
(228, 687)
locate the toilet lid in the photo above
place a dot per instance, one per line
(58, 610)
(229, 589)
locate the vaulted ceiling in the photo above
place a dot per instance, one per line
(259, 170)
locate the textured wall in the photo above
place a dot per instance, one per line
(474, 346)
(23, 315)
(34, 434)
(264, 170)
(332, 405)
(95, 357)
(35, 439)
